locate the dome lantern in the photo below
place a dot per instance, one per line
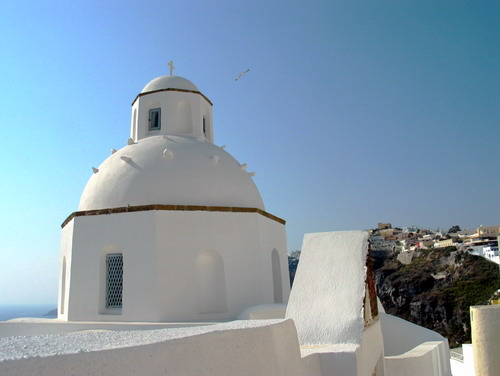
(171, 105)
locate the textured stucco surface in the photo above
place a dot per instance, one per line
(326, 301)
(23, 347)
(41, 326)
(238, 348)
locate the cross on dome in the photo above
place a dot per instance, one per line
(171, 65)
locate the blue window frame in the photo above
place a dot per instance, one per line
(155, 119)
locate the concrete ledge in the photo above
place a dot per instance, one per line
(401, 336)
(37, 327)
(424, 359)
(236, 348)
(264, 312)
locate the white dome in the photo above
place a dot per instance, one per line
(170, 170)
(169, 82)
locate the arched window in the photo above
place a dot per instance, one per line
(134, 125)
(277, 287)
(183, 122)
(63, 286)
(211, 294)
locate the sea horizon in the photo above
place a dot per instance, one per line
(14, 311)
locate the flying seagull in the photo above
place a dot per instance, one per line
(242, 74)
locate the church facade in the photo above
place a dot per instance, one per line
(171, 228)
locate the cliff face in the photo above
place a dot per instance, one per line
(436, 289)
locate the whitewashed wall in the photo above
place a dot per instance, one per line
(161, 251)
(412, 349)
(239, 348)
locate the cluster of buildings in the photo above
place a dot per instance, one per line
(482, 241)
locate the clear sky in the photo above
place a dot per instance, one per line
(353, 112)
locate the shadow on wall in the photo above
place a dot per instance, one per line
(211, 295)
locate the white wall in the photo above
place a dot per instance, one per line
(66, 244)
(326, 302)
(401, 336)
(426, 359)
(412, 349)
(238, 348)
(371, 352)
(466, 366)
(160, 253)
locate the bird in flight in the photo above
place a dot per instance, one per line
(242, 74)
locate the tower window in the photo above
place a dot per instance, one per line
(154, 119)
(204, 128)
(114, 280)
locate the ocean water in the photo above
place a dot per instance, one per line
(15, 311)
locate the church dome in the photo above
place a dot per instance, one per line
(169, 82)
(170, 170)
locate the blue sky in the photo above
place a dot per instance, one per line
(353, 112)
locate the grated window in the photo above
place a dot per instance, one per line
(114, 280)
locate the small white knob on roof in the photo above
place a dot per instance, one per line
(96, 170)
(169, 154)
(130, 141)
(113, 151)
(244, 166)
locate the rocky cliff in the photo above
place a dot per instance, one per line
(436, 289)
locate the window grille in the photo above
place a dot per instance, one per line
(114, 280)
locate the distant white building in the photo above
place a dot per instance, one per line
(487, 251)
(379, 243)
(412, 229)
(491, 253)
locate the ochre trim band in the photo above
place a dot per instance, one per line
(128, 209)
(172, 89)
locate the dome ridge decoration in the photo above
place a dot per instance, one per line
(173, 170)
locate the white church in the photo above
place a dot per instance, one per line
(172, 266)
(171, 227)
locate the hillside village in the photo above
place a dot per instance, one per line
(432, 277)
(403, 243)
(482, 241)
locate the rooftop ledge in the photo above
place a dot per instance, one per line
(24, 347)
(128, 209)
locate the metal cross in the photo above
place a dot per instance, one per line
(171, 65)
